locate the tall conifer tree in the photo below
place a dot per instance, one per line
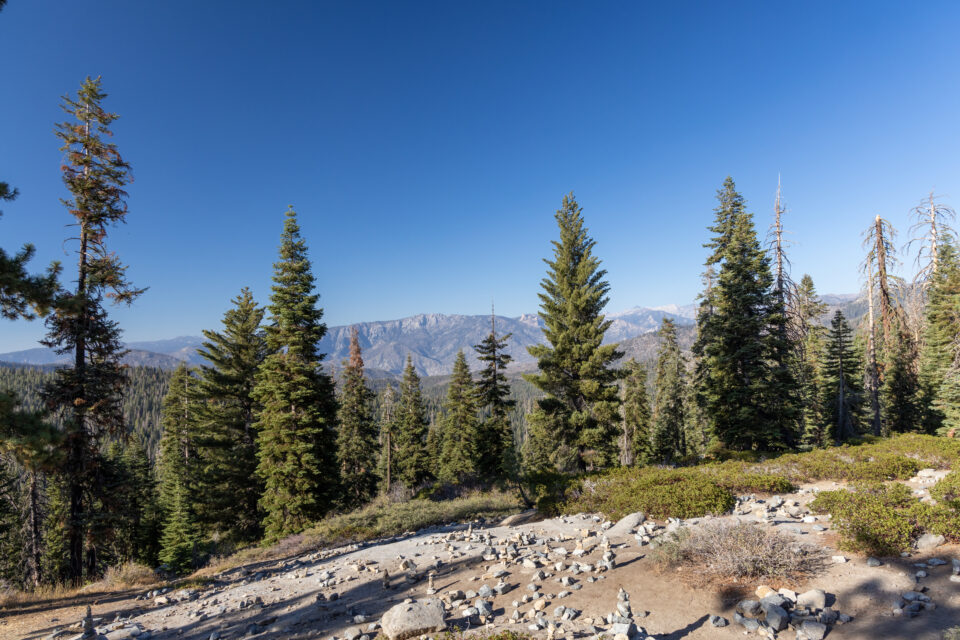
(177, 459)
(667, 431)
(356, 431)
(412, 463)
(228, 487)
(497, 456)
(940, 333)
(458, 444)
(842, 391)
(809, 338)
(86, 396)
(296, 437)
(743, 389)
(575, 426)
(636, 445)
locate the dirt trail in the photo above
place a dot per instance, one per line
(341, 592)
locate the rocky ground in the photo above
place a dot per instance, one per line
(572, 577)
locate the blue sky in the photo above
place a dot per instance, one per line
(426, 145)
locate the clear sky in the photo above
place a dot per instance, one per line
(427, 145)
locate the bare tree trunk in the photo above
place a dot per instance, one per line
(873, 377)
(34, 539)
(883, 283)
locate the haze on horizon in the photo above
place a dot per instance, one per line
(426, 146)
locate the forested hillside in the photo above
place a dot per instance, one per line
(104, 464)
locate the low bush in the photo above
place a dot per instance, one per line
(661, 493)
(741, 477)
(947, 490)
(740, 550)
(883, 519)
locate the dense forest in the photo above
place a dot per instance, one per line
(103, 463)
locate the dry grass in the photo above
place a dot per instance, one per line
(722, 551)
(126, 576)
(952, 633)
(14, 598)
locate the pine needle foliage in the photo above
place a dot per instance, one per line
(667, 431)
(743, 388)
(574, 428)
(357, 431)
(636, 443)
(458, 443)
(228, 489)
(295, 424)
(842, 387)
(497, 458)
(86, 397)
(941, 328)
(410, 425)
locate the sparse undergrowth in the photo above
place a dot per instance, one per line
(953, 633)
(379, 519)
(725, 551)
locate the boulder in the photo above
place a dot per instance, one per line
(626, 524)
(813, 630)
(519, 518)
(408, 620)
(929, 541)
(814, 599)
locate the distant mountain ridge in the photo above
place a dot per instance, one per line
(432, 340)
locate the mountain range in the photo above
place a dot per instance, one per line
(432, 340)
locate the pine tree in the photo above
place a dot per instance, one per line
(635, 443)
(177, 459)
(296, 437)
(56, 535)
(940, 331)
(357, 431)
(31, 441)
(458, 446)
(900, 387)
(387, 421)
(142, 526)
(23, 295)
(842, 393)
(575, 426)
(743, 388)
(228, 489)
(86, 397)
(809, 336)
(412, 464)
(11, 534)
(178, 544)
(497, 455)
(667, 443)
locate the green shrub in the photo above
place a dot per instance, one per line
(883, 466)
(741, 477)
(947, 490)
(868, 521)
(939, 519)
(661, 493)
